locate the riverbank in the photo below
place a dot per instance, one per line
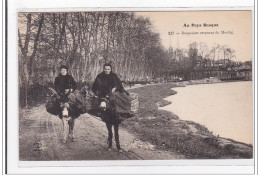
(167, 132)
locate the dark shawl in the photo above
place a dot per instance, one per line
(104, 83)
(63, 82)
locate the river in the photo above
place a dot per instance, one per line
(226, 109)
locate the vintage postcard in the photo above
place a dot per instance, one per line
(135, 85)
(126, 87)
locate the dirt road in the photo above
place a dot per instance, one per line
(40, 135)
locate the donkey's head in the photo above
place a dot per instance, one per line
(103, 104)
(65, 109)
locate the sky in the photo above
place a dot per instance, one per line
(237, 26)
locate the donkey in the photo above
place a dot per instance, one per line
(111, 118)
(68, 114)
(68, 111)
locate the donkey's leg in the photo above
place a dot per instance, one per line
(110, 135)
(71, 127)
(116, 128)
(65, 130)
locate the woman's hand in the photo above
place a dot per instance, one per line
(91, 93)
(113, 90)
(67, 91)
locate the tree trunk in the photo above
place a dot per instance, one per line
(35, 47)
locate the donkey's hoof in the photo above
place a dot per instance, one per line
(120, 150)
(71, 138)
(109, 149)
(64, 141)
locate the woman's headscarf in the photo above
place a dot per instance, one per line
(105, 82)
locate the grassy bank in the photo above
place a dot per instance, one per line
(167, 132)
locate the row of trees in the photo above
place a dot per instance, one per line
(84, 42)
(201, 51)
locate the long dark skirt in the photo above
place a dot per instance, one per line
(53, 107)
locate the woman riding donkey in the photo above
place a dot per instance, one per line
(65, 87)
(67, 102)
(108, 87)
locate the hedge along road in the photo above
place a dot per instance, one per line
(40, 138)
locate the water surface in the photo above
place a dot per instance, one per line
(224, 108)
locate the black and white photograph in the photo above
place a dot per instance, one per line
(135, 85)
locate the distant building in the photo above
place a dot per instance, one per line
(223, 69)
